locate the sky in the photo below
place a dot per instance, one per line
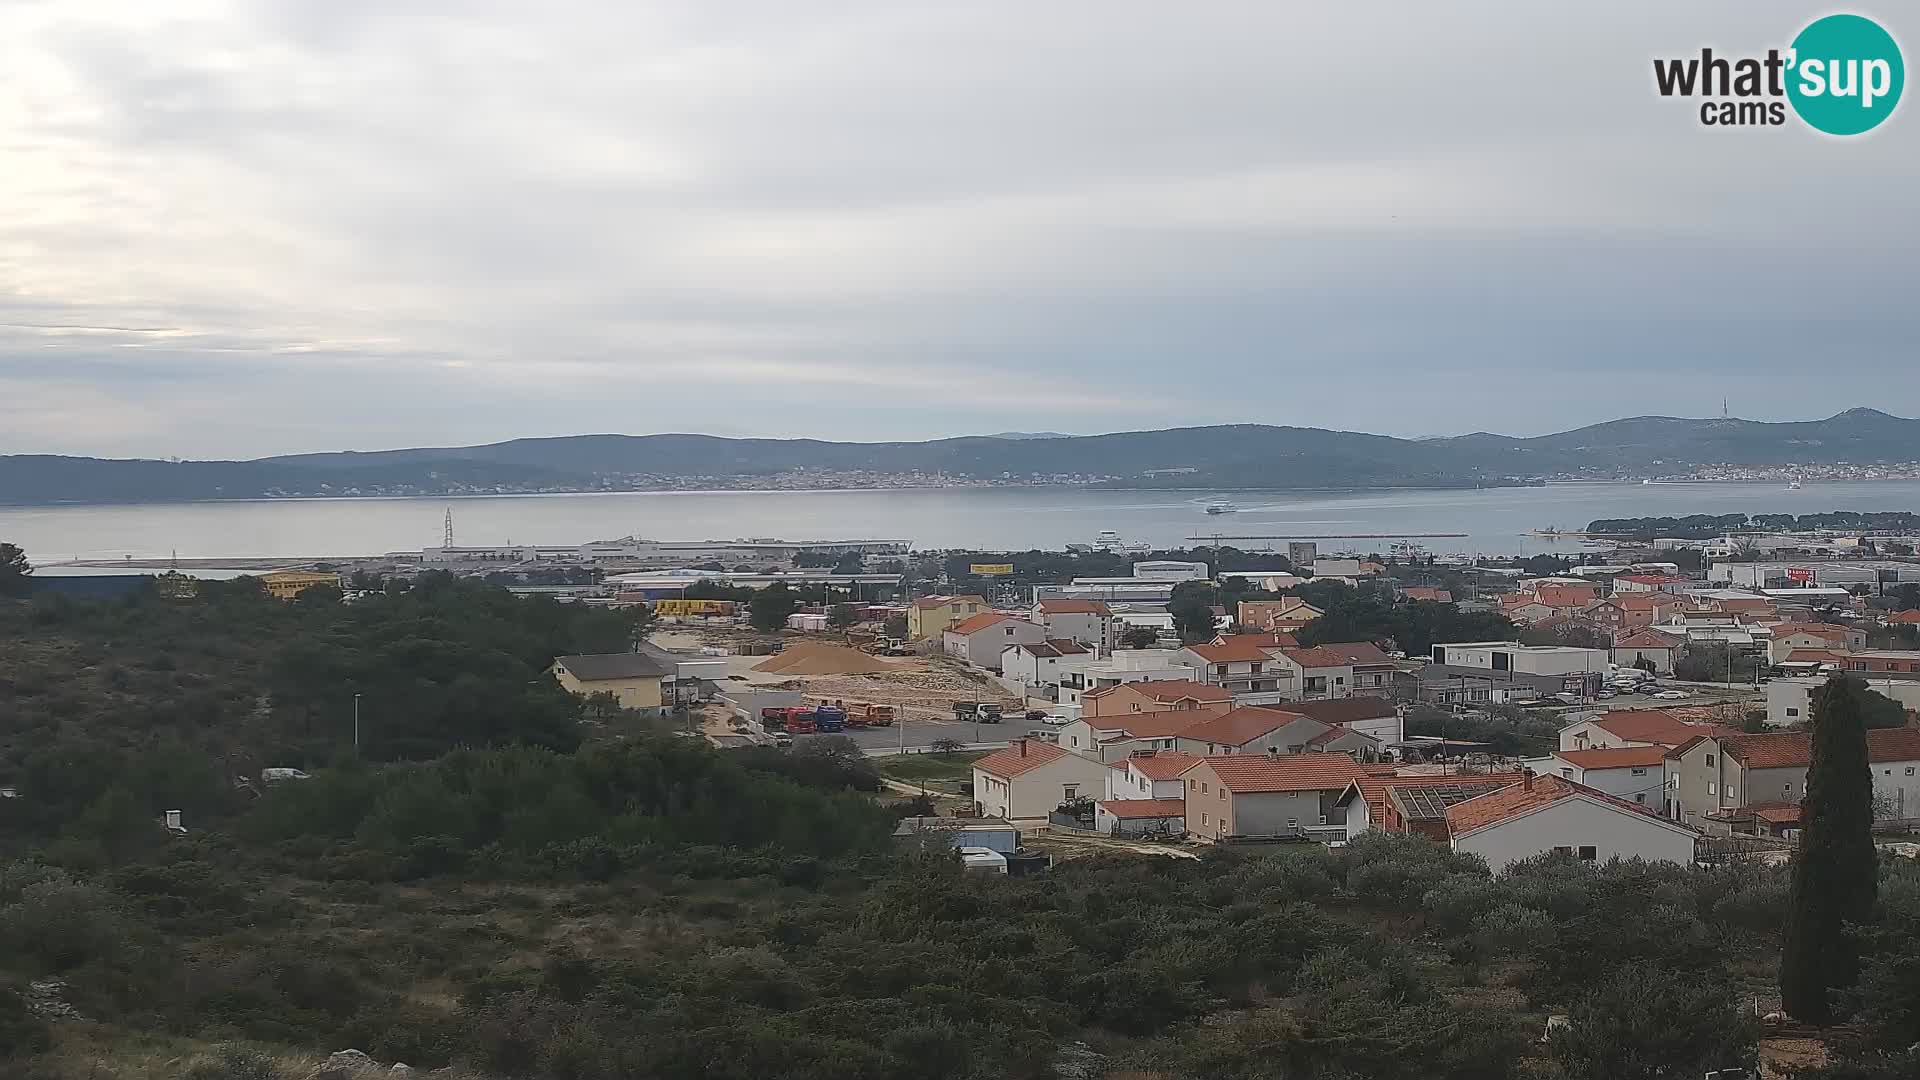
(235, 228)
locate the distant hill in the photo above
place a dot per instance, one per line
(1233, 455)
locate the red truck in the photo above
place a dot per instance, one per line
(867, 714)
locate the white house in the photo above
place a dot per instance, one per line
(1126, 666)
(981, 640)
(1634, 773)
(1553, 814)
(1089, 622)
(1790, 700)
(1631, 727)
(1149, 774)
(1029, 778)
(1251, 730)
(1030, 666)
(1653, 646)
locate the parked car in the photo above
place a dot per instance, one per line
(1671, 695)
(1055, 720)
(1605, 694)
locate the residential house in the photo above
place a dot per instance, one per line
(1149, 774)
(1264, 614)
(1141, 817)
(1089, 622)
(1242, 664)
(1028, 779)
(1251, 730)
(1361, 745)
(1427, 594)
(1903, 618)
(1323, 671)
(1123, 666)
(929, 616)
(1036, 667)
(1790, 699)
(633, 679)
(1634, 773)
(1830, 636)
(1884, 661)
(1631, 727)
(1368, 714)
(1523, 609)
(1565, 595)
(1261, 795)
(1112, 738)
(1410, 804)
(1715, 773)
(1156, 695)
(1650, 583)
(1553, 814)
(1652, 646)
(981, 640)
(1373, 670)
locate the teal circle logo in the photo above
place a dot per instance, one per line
(1845, 74)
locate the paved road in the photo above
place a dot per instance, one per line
(924, 733)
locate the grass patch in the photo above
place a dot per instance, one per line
(929, 768)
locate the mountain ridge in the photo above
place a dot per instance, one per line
(1277, 457)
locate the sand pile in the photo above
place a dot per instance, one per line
(817, 659)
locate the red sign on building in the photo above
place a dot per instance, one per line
(1799, 574)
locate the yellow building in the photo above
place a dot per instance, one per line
(632, 679)
(287, 584)
(930, 616)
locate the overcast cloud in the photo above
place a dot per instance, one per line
(244, 227)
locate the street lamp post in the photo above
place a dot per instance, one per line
(356, 725)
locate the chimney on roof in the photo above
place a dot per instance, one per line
(1023, 748)
(1526, 779)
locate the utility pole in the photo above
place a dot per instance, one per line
(356, 725)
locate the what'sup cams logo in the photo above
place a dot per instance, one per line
(1842, 75)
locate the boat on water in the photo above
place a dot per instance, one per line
(1108, 540)
(1793, 485)
(1222, 507)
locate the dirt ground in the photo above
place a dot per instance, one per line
(1779, 1055)
(923, 688)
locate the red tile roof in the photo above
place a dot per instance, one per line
(1239, 648)
(1825, 630)
(1423, 592)
(1160, 764)
(1245, 774)
(1776, 813)
(1636, 757)
(1566, 595)
(1241, 726)
(1346, 710)
(1320, 656)
(976, 623)
(1650, 726)
(1024, 756)
(1374, 788)
(1074, 607)
(1169, 690)
(1794, 749)
(1149, 725)
(1146, 808)
(1358, 653)
(1904, 617)
(1813, 656)
(1522, 798)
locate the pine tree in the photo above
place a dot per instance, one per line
(1835, 876)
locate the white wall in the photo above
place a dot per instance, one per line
(1575, 822)
(1035, 793)
(1648, 788)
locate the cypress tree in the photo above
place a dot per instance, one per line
(1835, 873)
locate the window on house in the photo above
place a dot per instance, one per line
(1638, 772)
(1293, 823)
(1641, 798)
(1069, 791)
(1787, 788)
(1709, 761)
(1909, 770)
(1730, 792)
(1204, 790)
(1203, 817)
(1793, 712)
(1710, 788)
(1223, 794)
(1562, 850)
(1589, 853)
(1568, 773)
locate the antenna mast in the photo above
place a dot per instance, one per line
(448, 542)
